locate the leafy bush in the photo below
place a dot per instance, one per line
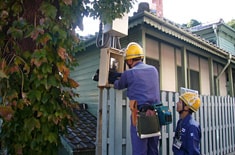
(37, 48)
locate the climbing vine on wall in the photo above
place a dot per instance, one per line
(38, 45)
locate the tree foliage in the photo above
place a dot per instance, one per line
(231, 23)
(37, 48)
(193, 23)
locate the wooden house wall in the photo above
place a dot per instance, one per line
(152, 48)
(169, 57)
(227, 45)
(178, 57)
(168, 68)
(193, 62)
(204, 74)
(88, 91)
(134, 35)
(222, 80)
(225, 34)
(227, 38)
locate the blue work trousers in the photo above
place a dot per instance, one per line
(146, 146)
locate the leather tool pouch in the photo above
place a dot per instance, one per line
(134, 110)
(148, 124)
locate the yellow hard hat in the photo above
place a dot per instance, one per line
(192, 100)
(134, 50)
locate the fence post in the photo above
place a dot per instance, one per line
(119, 122)
(128, 123)
(111, 125)
(163, 147)
(170, 131)
(202, 124)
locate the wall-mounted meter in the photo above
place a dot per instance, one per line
(111, 59)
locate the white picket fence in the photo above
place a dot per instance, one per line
(216, 117)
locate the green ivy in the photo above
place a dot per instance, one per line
(37, 48)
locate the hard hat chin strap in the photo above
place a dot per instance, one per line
(129, 65)
(181, 111)
(133, 62)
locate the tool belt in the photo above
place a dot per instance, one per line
(145, 119)
(148, 119)
(134, 110)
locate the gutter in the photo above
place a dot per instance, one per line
(225, 67)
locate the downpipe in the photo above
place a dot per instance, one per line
(217, 78)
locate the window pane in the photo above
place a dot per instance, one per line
(194, 80)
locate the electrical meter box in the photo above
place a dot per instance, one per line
(118, 27)
(110, 59)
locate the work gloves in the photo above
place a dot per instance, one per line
(113, 75)
(96, 76)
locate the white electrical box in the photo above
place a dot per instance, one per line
(118, 28)
(110, 59)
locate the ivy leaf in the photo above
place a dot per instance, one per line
(52, 137)
(48, 10)
(16, 7)
(45, 98)
(62, 53)
(18, 147)
(52, 81)
(45, 38)
(3, 75)
(64, 71)
(34, 94)
(35, 33)
(73, 83)
(30, 124)
(16, 33)
(46, 68)
(68, 2)
(59, 33)
(6, 112)
(39, 53)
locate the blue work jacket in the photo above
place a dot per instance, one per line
(188, 135)
(142, 83)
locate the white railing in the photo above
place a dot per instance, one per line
(216, 117)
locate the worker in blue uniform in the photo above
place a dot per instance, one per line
(188, 132)
(142, 83)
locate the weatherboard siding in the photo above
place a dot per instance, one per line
(83, 73)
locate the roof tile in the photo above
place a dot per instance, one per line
(83, 135)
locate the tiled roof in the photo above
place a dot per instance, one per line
(206, 25)
(82, 136)
(177, 31)
(171, 28)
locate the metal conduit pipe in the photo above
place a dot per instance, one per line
(217, 78)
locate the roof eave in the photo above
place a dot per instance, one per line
(175, 30)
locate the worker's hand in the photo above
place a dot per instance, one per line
(96, 76)
(113, 76)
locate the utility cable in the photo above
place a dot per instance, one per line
(102, 40)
